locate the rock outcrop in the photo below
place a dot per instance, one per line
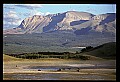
(78, 22)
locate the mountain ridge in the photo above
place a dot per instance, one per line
(70, 20)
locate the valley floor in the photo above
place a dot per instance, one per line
(21, 69)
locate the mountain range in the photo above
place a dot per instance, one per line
(79, 23)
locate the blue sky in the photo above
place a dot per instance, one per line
(13, 14)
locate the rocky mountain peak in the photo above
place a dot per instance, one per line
(70, 20)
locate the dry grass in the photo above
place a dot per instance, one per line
(7, 58)
(9, 66)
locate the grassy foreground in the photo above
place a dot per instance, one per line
(10, 71)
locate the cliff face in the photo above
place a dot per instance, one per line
(78, 22)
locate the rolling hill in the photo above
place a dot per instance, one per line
(105, 51)
(7, 58)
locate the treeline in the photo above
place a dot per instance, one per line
(61, 55)
(43, 53)
(88, 48)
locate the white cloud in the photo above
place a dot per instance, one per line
(47, 13)
(32, 13)
(29, 6)
(8, 7)
(10, 19)
(74, 10)
(10, 14)
(37, 12)
(26, 14)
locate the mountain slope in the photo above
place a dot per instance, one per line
(70, 20)
(107, 51)
(7, 58)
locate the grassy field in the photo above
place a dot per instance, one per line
(11, 72)
(61, 42)
(104, 51)
(14, 68)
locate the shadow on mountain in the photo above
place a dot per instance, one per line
(77, 22)
(55, 19)
(83, 31)
(110, 18)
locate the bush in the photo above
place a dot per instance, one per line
(66, 55)
(86, 49)
(82, 57)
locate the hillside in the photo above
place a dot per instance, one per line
(53, 41)
(60, 32)
(104, 51)
(7, 58)
(74, 21)
(107, 51)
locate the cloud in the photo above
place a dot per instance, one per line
(91, 10)
(10, 19)
(26, 14)
(47, 13)
(37, 12)
(10, 14)
(9, 7)
(28, 6)
(32, 13)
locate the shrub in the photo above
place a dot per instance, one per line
(86, 49)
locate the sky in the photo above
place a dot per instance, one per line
(13, 14)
